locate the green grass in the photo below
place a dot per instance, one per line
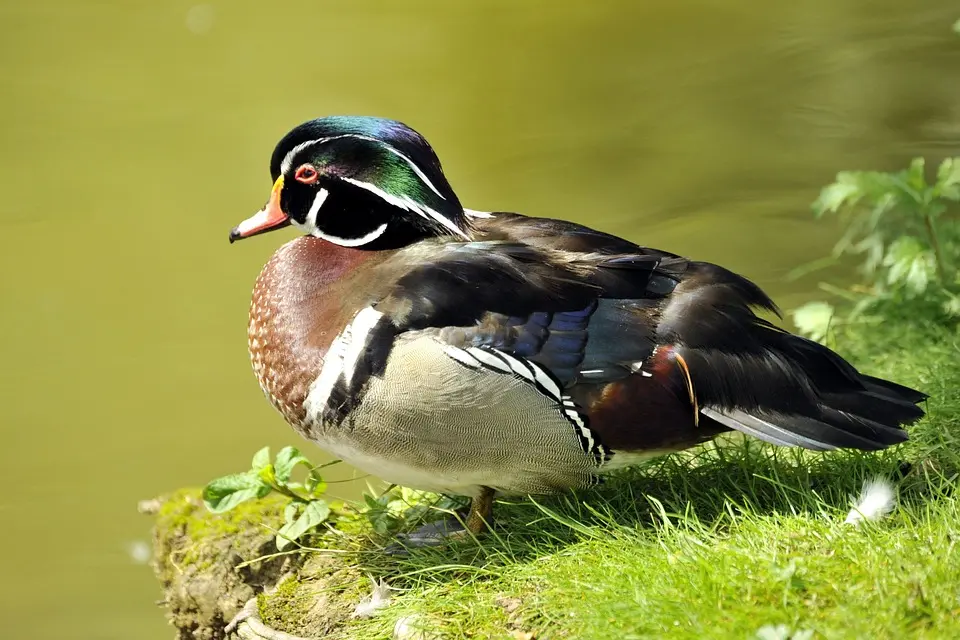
(733, 540)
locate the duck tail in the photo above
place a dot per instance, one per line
(747, 374)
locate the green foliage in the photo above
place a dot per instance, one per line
(401, 506)
(306, 510)
(901, 227)
(396, 509)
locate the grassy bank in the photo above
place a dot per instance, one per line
(731, 540)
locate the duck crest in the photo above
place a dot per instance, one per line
(299, 302)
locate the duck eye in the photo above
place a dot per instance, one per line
(306, 174)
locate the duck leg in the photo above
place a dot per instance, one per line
(475, 521)
(481, 512)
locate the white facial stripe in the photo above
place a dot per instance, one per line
(407, 203)
(318, 201)
(288, 159)
(417, 170)
(351, 242)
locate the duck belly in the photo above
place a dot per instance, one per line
(432, 423)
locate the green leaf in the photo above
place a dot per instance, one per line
(872, 246)
(266, 474)
(290, 512)
(315, 513)
(948, 179)
(315, 484)
(920, 274)
(910, 265)
(227, 492)
(844, 191)
(287, 459)
(956, 27)
(260, 459)
(914, 176)
(813, 319)
(952, 306)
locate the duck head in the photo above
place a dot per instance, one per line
(361, 182)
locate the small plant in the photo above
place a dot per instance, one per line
(394, 509)
(401, 506)
(897, 223)
(307, 509)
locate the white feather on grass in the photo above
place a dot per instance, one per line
(379, 598)
(877, 499)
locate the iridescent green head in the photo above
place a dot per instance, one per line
(359, 182)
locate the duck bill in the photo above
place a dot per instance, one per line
(267, 219)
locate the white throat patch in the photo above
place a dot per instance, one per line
(310, 225)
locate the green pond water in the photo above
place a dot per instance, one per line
(135, 134)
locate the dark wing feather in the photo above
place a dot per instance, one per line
(752, 376)
(590, 307)
(540, 303)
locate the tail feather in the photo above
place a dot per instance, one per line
(886, 388)
(768, 430)
(754, 377)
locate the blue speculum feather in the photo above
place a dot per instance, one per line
(555, 339)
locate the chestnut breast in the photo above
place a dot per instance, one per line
(305, 294)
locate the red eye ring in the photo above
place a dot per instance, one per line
(306, 174)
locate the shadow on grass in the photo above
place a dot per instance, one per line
(707, 490)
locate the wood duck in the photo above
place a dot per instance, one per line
(468, 353)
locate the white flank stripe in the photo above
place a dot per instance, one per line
(490, 359)
(359, 329)
(584, 431)
(500, 361)
(575, 416)
(547, 382)
(519, 367)
(462, 357)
